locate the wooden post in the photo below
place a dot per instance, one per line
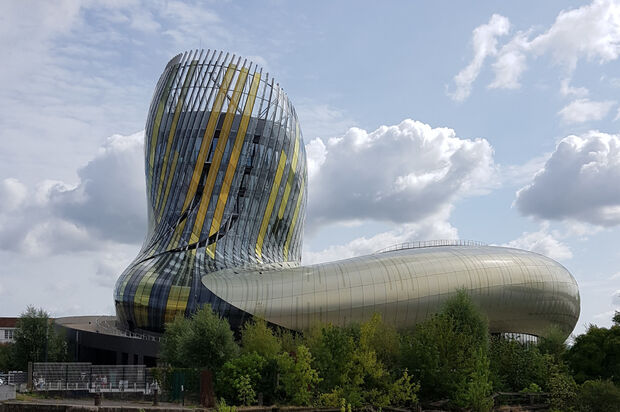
(207, 394)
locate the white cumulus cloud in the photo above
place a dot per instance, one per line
(401, 174)
(108, 204)
(585, 110)
(542, 242)
(578, 182)
(433, 227)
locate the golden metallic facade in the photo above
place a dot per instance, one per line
(225, 167)
(519, 291)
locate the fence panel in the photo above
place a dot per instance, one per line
(83, 376)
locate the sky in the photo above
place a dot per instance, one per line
(490, 121)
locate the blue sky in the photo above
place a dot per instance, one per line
(492, 121)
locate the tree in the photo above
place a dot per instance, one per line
(441, 352)
(599, 396)
(515, 366)
(383, 339)
(596, 354)
(553, 343)
(332, 348)
(240, 378)
(257, 337)
(468, 319)
(298, 379)
(203, 341)
(36, 340)
(7, 357)
(476, 394)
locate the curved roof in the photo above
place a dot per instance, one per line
(519, 291)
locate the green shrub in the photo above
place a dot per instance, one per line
(239, 379)
(220, 406)
(562, 391)
(298, 379)
(599, 396)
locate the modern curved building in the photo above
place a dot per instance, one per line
(226, 177)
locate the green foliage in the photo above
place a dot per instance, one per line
(257, 337)
(220, 406)
(377, 336)
(404, 391)
(240, 378)
(176, 333)
(532, 388)
(36, 340)
(476, 393)
(515, 365)
(599, 396)
(358, 364)
(468, 319)
(289, 340)
(562, 391)
(553, 344)
(441, 352)
(596, 355)
(298, 379)
(332, 349)
(204, 341)
(331, 399)
(616, 318)
(245, 390)
(7, 357)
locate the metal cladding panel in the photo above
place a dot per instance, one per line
(519, 291)
(225, 167)
(226, 175)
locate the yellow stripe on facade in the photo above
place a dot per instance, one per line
(295, 217)
(179, 294)
(208, 136)
(204, 149)
(158, 116)
(210, 250)
(142, 297)
(173, 129)
(177, 302)
(234, 156)
(217, 156)
(270, 204)
(289, 180)
(170, 176)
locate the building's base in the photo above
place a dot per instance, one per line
(98, 340)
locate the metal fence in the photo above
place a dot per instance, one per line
(92, 378)
(431, 243)
(13, 377)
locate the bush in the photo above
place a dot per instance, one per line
(239, 379)
(599, 396)
(562, 391)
